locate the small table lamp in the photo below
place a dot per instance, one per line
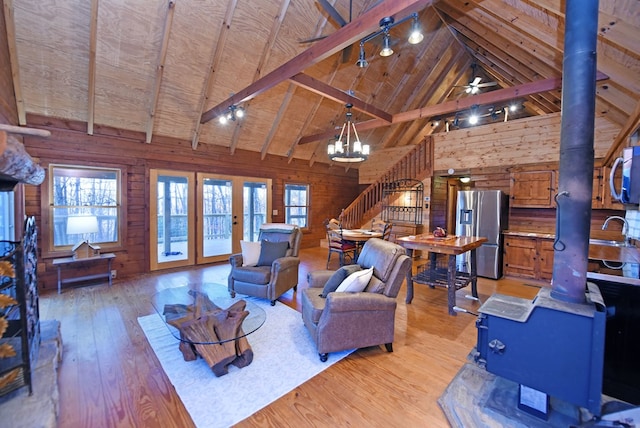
(82, 225)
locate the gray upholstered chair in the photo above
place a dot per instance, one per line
(269, 281)
(346, 320)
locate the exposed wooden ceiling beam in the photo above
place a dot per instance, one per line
(216, 60)
(347, 35)
(91, 90)
(166, 32)
(327, 91)
(631, 126)
(9, 20)
(457, 105)
(267, 51)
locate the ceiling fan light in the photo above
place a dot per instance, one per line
(386, 49)
(240, 112)
(223, 119)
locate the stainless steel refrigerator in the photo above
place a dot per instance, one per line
(482, 213)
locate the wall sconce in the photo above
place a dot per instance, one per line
(473, 116)
(233, 113)
(465, 180)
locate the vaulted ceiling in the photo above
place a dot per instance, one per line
(167, 68)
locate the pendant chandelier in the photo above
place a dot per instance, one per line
(347, 150)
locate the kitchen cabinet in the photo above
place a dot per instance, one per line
(608, 200)
(399, 230)
(529, 257)
(532, 189)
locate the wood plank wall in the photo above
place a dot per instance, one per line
(332, 188)
(524, 141)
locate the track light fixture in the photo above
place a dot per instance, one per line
(387, 24)
(232, 113)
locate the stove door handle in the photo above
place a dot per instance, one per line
(497, 347)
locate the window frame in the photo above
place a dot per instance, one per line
(307, 207)
(47, 208)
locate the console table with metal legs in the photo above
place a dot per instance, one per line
(66, 261)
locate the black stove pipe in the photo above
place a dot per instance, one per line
(573, 214)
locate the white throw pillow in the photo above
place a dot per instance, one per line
(250, 252)
(356, 282)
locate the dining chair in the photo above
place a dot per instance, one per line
(383, 227)
(345, 249)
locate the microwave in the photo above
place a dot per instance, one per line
(630, 184)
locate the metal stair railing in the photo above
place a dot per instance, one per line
(417, 164)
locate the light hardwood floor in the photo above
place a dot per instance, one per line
(110, 377)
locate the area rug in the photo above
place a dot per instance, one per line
(284, 357)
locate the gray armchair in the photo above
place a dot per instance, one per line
(272, 280)
(345, 320)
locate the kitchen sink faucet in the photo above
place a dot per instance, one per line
(625, 225)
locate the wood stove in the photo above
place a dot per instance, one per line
(551, 346)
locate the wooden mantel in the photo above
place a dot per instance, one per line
(16, 165)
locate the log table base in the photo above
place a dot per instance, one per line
(211, 332)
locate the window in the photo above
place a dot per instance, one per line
(7, 217)
(85, 204)
(296, 204)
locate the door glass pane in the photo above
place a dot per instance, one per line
(173, 220)
(216, 217)
(7, 219)
(255, 209)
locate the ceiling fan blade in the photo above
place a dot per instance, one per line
(312, 39)
(475, 81)
(332, 12)
(484, 85)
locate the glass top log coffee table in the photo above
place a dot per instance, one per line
(209, 323)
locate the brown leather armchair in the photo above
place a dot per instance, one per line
(345, 320)
(268, 282)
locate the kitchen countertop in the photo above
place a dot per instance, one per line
(529, 234)
(596, 251)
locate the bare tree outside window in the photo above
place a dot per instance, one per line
(84, 191)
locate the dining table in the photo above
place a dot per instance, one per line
(445, 276)
(359, 237)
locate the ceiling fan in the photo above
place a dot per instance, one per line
(474, 86)
(333, 13)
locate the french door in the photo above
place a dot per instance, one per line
(227, 209)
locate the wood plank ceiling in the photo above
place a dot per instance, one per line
(165, 68)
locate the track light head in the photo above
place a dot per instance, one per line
(386, 48)
(416, 35)
(362, 60)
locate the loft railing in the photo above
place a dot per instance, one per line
(417, 164)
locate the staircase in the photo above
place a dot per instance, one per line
(417, 164)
